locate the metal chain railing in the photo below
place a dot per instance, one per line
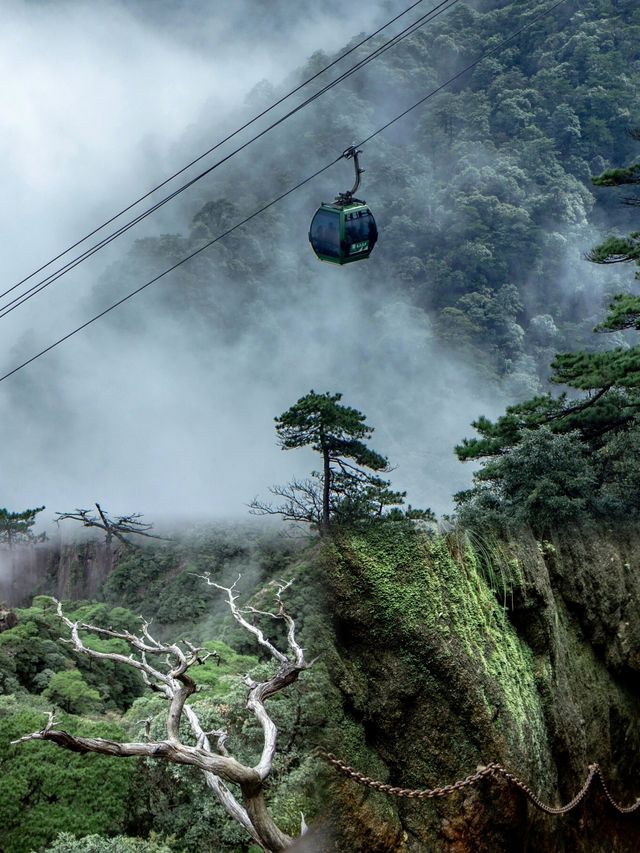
(491, 770)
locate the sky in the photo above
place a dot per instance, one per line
(99, 103)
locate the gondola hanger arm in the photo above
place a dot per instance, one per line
(351, 153)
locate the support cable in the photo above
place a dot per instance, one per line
(170, 269)
(433, 13)
(493, 50)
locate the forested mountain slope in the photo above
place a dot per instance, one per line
(437, 654)
(483, 195)
(45, 791)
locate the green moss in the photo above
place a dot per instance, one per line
(421, 595)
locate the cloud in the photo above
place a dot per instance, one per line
(150, 411)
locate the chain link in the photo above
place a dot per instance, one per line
(491, 770)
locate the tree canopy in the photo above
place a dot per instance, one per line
(484, 207)
(16, 527)
(348, 489)
(583, 460)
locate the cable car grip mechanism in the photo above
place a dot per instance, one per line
(348, 197)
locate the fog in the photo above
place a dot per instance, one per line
(146, 412)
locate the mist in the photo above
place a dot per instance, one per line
(149, 412)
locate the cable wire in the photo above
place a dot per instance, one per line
(172, 268)
(288, 192)
(213, 148)
(19, 300)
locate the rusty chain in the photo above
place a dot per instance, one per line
(491, 770)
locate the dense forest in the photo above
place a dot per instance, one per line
(484, 198)
(510, 631)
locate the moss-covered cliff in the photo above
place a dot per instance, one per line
(449, 657)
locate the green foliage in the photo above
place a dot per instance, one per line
(618, 177)
(175, 800)
(320, 421)
(488, 194)
(28, 651)
(496, 438)
(617, 250)
(345, 491)
(624, 313)
(575, 467)
(158, 585)
(546, 481)
(45, 790)
(140, 576)
(71, 692)
(161, 583)
(549, 460)
(16, 527)
(157, 797)
(486, 316)
(217, 672)
(66, 843)
(33, 659)
(599, 371)
(482, 202)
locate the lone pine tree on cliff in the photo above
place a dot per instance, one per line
(348, 489)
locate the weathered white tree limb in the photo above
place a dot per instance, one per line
(238, 616)
(287, 673)
(172, 680)
(223, 794)
(231, 769)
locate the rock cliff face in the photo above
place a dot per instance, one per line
(450, 656)
(8, 619)
(52, 568)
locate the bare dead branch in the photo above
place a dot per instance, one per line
(222, 793)
(288, 671)
(171, 678)
(302, 502)
(224, 766)
(238, 616)
(112, 527)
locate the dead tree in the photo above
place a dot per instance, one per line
(169, 675)
(112, 527)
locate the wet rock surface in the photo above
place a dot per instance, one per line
(441, 676)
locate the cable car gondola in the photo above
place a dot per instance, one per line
(344, 231)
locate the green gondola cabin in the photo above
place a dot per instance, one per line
(341, 234)
(345, 230)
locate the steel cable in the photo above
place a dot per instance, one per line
(32, 291)
(283, 195)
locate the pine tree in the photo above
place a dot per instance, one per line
(16, 527)
(605, 418)
(348, 487)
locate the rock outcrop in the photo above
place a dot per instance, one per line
(8, 619)
(450, 656)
